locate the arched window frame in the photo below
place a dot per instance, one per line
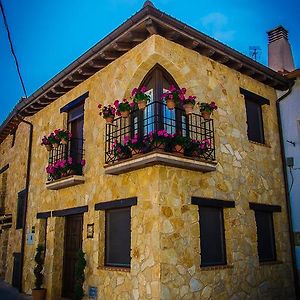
(157, 116)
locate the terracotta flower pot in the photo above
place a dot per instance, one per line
(179, 149)
(159, 146)
(170, 104)
(64, 142)
(55, 145)
(142, 104)
(188, 108)
(38, 294)
(125, 114)
(48, 147)
(206, 115)
(109, 119)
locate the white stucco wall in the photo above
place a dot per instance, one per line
(290, 114)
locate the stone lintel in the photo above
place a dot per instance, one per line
(64, 182)
(159, 158)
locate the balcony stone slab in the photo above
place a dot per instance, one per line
(64, 182)
(160, 158)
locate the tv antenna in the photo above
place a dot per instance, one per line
(255, 52)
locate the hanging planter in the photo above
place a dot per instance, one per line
(205, 115)
(49, 147)
(45, 142)
(188, 108)
(207, 109)
(108, 113)
(123, 108)
(170, 104)
(140, 97)
(55, 145)
(109, 119)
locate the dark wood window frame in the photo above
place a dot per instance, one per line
(213, 207)
(158, 74)
(20, 218)
(255, 124)
(110, 208)
(266, 244)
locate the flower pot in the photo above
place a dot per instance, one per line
(48, 147)
(188, 108)
(38, 294)
(64, 142)
(109, 119)
(170, 104)
(142, 104)
(125, 114)
(179, 149)
(135, 152)
(206, 115)
(55, 145)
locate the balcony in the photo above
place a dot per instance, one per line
(65, 165)
(147, 129)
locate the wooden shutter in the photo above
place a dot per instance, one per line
(16, 277)
(254, 121)
(21, 209)
(118, 237)
(265, 236)
(212, 238)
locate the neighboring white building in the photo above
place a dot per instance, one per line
(281, 60)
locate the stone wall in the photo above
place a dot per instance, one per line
(165, 229)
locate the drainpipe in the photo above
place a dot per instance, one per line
(287, 194)
(26, 198)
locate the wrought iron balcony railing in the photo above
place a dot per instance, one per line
(159, 129)
(66, 159)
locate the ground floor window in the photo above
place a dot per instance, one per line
(117, 237)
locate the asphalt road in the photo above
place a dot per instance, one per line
(9, 293)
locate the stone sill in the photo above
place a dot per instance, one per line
(64, 182)
(259, 144)
(160, 158)
(116, 269)
(219, 267)
(271, 263)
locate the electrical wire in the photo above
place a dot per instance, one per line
(12, 48)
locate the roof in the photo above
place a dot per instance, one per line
(294, 74)
(146, 22)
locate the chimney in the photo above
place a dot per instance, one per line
(280, 56)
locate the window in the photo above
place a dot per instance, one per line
(21, 209)
(265, 230)
(265, 236)
(212, 232)
(156, 116)
(117, 231)
(117, 237)
(255, 125)
(212, 238)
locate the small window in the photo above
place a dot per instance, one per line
(265, 236)
(117, 237)
(254, 121)
(212, 237)
(21, 210)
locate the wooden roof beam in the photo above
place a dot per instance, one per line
(109, 55)
(98, 63)
(207, 51)
(172, 35)
(76, 77)
(122, 46)
(86, 71)
(234, 64)
(151, 27)
(137, 36)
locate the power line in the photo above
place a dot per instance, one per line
(12, 48)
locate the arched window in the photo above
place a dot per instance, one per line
(157, 116)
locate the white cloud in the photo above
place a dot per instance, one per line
(216, 24)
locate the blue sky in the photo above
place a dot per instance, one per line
(48, 35)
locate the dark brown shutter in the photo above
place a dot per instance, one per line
(21, 209)
(254, 121)
(265, 236)
(118, 237)
(212, 238)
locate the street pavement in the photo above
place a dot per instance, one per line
(7, 292)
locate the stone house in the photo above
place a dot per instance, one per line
(160, 224)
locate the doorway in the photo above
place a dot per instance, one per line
(72, 244)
